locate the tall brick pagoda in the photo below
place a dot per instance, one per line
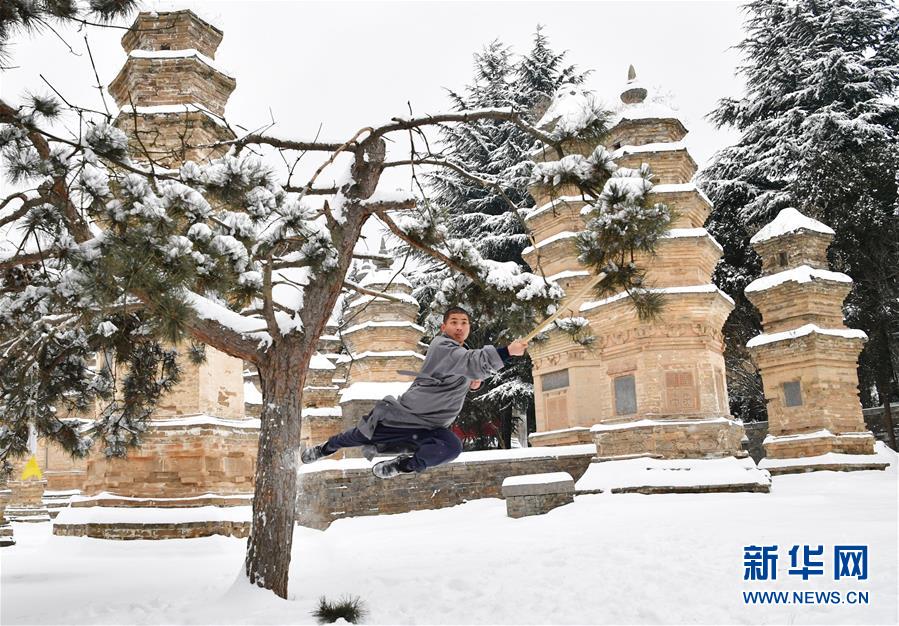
(200, 449)
(643, 388)
(807, 357)
(170, 92)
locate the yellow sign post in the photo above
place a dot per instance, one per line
(32, 470)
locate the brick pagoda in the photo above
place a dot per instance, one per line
(643, 388)
(199, 452)
(807, 357)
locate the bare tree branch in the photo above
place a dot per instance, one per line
(483, 182)
(319, 191)
(213, 333)
(287, 144)
(97, 76)
(370, 292)
(377, 206)
(28, 259)
(507, 115)
(27, 204)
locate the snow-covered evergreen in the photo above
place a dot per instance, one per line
(491, 216)
(820, 130)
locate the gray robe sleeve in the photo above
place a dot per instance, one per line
(453, 359)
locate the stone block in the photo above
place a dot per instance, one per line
(538, 484)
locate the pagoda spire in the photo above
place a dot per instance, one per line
(634, 92)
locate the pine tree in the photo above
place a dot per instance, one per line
(492, 216)
(107, 259)
(819, 124)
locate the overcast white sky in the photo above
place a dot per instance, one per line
(345, 65)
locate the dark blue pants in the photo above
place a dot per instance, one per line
(432, 447)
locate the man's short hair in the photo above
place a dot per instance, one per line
(456, 309)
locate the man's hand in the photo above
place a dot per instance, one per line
(475, 384)
(518, 347)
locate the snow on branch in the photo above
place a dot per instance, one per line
(461, 256)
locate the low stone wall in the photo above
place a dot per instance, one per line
(525, 506)
(331, 490)
(536, 494)
(187, 530)
(670, 439)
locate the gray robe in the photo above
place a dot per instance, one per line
(438, 391)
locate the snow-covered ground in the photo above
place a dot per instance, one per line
(632, 558)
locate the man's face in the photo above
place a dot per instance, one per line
(456, 327)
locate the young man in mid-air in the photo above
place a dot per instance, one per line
(420, 418)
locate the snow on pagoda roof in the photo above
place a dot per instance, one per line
(323, 411)
(251, 395)
(552, 204)
(160, 109)
(383, 277)
(565, 234)
(696, 233)
(365, 299)
(572, 109)
(346, 358)
(789, 220)
(662, 146)
(801, 274)
(567, 274)
(202, 419)
(710, 288)
(373, 390)
(202, 10)
(643, 111)
(376, 324)
(802, 331)
(320, 362)
(679, 188)
(180, 54)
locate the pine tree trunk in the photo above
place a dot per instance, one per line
(506, 428)
(274, 503)
(883, 390)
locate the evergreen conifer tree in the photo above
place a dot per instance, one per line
(820, 130)
(492, 216)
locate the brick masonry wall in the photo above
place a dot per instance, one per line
(174, 80)
(179, 461)
(643, 131)
(675, 441)
(668, 166)
(331, 494)
(172, 138)
(523, 506)
(176, 30)
(121, 531)
(802, 248)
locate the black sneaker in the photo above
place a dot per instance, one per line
(313, 454)
(391, 467)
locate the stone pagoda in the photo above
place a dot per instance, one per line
(643, 388)
(170, 93)
(806, 355)
(200, 449)
(382, 339)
